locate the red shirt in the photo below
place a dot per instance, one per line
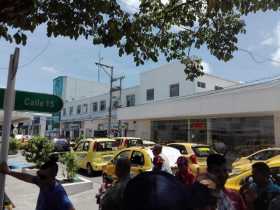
(185, 177)
(236, 199)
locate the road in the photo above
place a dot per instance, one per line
(97, 179)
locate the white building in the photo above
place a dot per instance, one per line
(71, 89)
(168, 82)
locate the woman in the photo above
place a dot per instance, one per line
(184, 174)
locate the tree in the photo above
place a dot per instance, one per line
(171, 29)
(38, 150)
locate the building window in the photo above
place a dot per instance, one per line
(174, 90)
(201, 84)
(79, 109)
(102, 105)
(71, 110)
(94, 107)
(130, 100)
(85, 108)
(150, 94)
(64, 111)
(218, 87)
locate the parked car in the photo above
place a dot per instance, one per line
(93, 154)
(124, 142)
(235, 181)
(61, 145)
(243, 163)
(141, 159)
(196, 153)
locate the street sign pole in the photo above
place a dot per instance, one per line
(9, 101)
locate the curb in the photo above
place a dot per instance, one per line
(78, 187)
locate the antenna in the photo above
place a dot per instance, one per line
(100, 58)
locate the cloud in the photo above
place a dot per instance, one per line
(206, 67)
(51, 70)
(276, 54)
(268, 41)
(274, 40)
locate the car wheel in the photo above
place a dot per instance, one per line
(90, 171)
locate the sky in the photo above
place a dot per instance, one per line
(43, 59)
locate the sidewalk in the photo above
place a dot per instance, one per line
(24, 196)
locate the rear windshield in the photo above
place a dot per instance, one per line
(104, 146)
(203, 151)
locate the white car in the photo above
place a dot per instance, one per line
(170, 153)
(148, 143)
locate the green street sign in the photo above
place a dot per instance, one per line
(35, 102)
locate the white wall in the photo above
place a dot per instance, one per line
(89, 100)
(143, 129)
(211, 81)
(76, 88)
(160, 79)
(246, 100)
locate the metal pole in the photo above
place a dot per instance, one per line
(9, 101)
(110, 102)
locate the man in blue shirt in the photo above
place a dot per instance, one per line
(262, 191)
(52, 195)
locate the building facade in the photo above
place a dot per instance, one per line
(247, 114)
(71, 89)
(89, 115)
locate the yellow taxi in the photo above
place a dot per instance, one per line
(244, 163)
(196, 153)
(124, 142)
(235, 181)
(93, 154)
(141, 159)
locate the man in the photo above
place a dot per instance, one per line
(262, 193)
(156, 190)
(217, 174)
(52, 195)
(157, 151)
(112, 199)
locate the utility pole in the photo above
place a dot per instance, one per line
(100, 58)
(113, 79)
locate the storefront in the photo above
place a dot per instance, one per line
(246, 115)
(232, 131)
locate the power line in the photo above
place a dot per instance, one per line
(253, 57)
(33, 59)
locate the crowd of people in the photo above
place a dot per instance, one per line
(159, 189)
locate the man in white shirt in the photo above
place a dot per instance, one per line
(157, 151)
